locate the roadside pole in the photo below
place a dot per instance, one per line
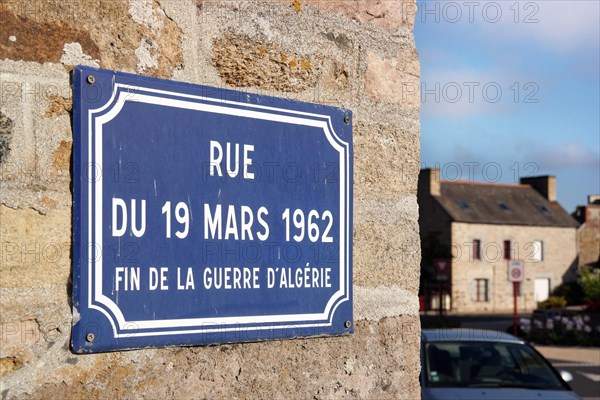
(441, 297)
(516, 273)
(442, 267)
(515, 291)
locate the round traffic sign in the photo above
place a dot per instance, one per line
(516, 273)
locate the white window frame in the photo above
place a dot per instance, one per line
(486, 290)
(537, 254)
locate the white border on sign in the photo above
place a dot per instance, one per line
(124, 93)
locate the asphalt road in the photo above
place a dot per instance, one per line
(586, 377)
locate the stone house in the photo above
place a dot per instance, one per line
(588, 233)
(480, 227)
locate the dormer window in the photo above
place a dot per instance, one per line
(544, 210)
(504, 207)
(463, 204)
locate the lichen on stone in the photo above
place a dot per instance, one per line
(6, 127)
(58, 105)
(245, 62)
(139, 38)
(9, 364)
(297, 6)
(62, 156)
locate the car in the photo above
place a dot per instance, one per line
(481, 364)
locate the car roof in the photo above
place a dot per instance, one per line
(467, 334)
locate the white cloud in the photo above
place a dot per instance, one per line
(558, 25)
(459, 93)
(572, 154)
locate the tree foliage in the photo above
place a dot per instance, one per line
(590, 282)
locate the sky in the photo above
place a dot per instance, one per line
(511, 89)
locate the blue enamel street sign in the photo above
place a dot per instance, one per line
(203, 215)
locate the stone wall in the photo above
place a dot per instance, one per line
(588, 235)
(558, 263)
(355, 53)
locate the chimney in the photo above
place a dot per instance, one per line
(429, 182)
(595, 199)
(544, 185)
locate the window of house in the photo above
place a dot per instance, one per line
(476, 249)
(544, 210)
(504, 207)
(481, 290)
(463, 204)
(507, 255)
(537, 251)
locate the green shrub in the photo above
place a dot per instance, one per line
(553, 302)
(590, 282)
(572, 292)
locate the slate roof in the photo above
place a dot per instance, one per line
(485, 203)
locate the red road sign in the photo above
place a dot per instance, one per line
(442, 266)
(516, 271)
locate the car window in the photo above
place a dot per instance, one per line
(487, 364)
(532, 366)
